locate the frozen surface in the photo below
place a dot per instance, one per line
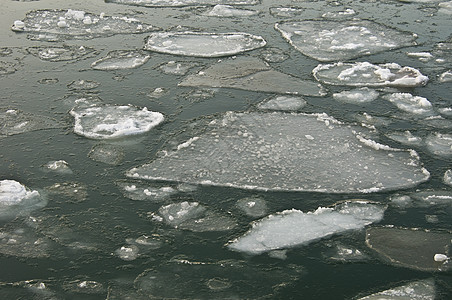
(367, 74)
(411, 248)
(293, 227)
(342, 40)
(203, 44)
(110, 122)
(57, 25)
(357, 96)
(283, 103)
(18, 200)
(14, 121)
(121, 59)
(62, 53)
(277, 151)
(229, 11)
(67, 192)
(415, 290)
(171, 3)
(440, 144)
(445, 8)
(248, 73)
(412, 104)
(286, 12)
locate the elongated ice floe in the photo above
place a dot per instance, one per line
(342, 40)
(414, 290)
(121, 59)
(286, 151)
(110, 122)
(48, 24)
(221, 10)
(172, 3)
(293, 227)
(62, 53)
(357, 96)
(367, 74)
(203, 44)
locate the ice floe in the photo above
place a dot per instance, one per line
(7, 68)
(447, 178)
(439, 144)
(273, 55)
(221, 10)
(411, 248)
(445, 7)
(107, 154)
(58, 166)
(62, 53)
(342, 14)
(446, 76)
(18, 200)
(416, 290)
(412, 104)
(248, 73)
(430, 198)
(110, 122)
(172, 3)
(252, 206)
(203, 44)
(67, 192)
(84, 287)
(81, 84)
(342, 40)
(54, 25)
(121, 59)
(292, 228)
(145, 192)
(286, 12)
(367, 74)
(405, 137)
(177, 68)
(14, 121)
(22, 241)
(343, 253)
(357, 96)
(128, 252)
(283, 103)
(281, 151)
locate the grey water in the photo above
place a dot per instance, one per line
(189, 150)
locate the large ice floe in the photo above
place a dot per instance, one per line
(121, 59)
(203, 44)
(110, 121)
(62, 53)
(18, 200)
(249, 73)
(14, 121)
(56, 25)
(291, 228)
(172, 3)
(412, 248)
(342, 40)
(414, 290)
(286, 151)
(367, 74)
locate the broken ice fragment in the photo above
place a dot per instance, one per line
(412, 104)
(110, 122)
(367, 74)
(286, 151)
(172, 3)
(357, 96)
(445, 8)
(81, 84)
(203, 44)
(68, 192)
(107, 154)
(286, 12)
(121, 59)
(415, 290)
(62, 53)
(342, 40)
(349, 12)
(24, 242)
(58, 166)
(446, 76)
(283, 103)
(273, 55)
(128, 253)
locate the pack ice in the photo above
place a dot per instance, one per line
(286, 151)
(110, 121)
(121, 59)
(62, 53)
(249, 73)
(293, 227)
(415, 290)
(55, 24)
(170, 3)
(342, 40)
(367, 74)
(203, 44)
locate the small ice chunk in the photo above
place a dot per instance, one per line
(173, 3)
(14, 121)
(18, 25)
(445, 8)
(145, 192)
(357, 96)
(401, 201)
(439, 144)
(446, 76)
(72, 192)
(128, 252)
(273, 55)
(286, 12)
(422, 56)
(253, 206)
(177, 68)
(440, 257)
(121, 59)
(349, 12)
(447, 178)
(283, 103)
(412, 104)
(18, 200)
(107, 154)
(58, 166)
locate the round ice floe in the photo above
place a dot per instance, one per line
(17, 200)
(121, 59)
(447, 179)
(367, 74)
(110, 122)
(7, 68)
(440, 144)
(357, 96)
(89, 287)
(253, 206)
(412, 104)
(289, 103)
(24, 242)
(422, 289)
(107, 154)
(203, 44)
(128, 252)
(66, 192)
(82, 84)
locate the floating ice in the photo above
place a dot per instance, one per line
(48, 81)
(62, 53)
(58, 166)
(171, 3)
(446, 76)
(287, 103)
(128, 253)
(81, 84)
(273, 55)
(107, 154)
(248, 73)
(447, 178)
(342, 40)
(367, 74)
(75, 24)
(406, 138)
(349, 12)
(157, 93)
(430, 198)
(220, 10)
(278, 151)
(253, 206)
(412, 104)
(411, 248)
(177, 68)
(110, 122)
(439, 144)
(67, 192)
(401, 201)
(7, 68)
(145, 192)
(445, 8)
(89, 287)
(121, 59)
(293, 227)
(286, 12)
(343, 253)
(17, 200)
(415, 290)
(24, 242)
(203, 44)
(14, 121)
(357, 96)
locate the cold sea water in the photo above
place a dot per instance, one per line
(242, 149)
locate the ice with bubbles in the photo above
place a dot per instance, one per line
(172, 3)
(203, 44)
(253, 206)
(121, 59)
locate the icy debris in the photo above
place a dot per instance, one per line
(405, 137)
(58, 166)
(55, 25)
(157, 93)
(221, 10)
(446, 76)
(292, 228)
(281, 151)
(89, 287)
(422, 56)
(145, 192)
(253, 206)
(248, 73)
(203, 44)
(18, 200)
(278, 254)
(177, 68)
(440, 257)
(273, 55)
(81, 84)
(14, 121)
(343, 253)
(48, 81)
(349, 12)
(110, 122)
(128, 252)
(67, 192)
(342, 40)
(357, 96)
(121, 59)
(6, 51)
(401, 201)
(283, 103)
(412, 104)
(439, 144)
(415, 290)
(447, 178)
(62, 53)
(172, 3)
(367, 74)
(430, 198)
(411, 248)
(24, 242)
(286, 12)
(149, 242)
(7, 68)
(445, 8)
